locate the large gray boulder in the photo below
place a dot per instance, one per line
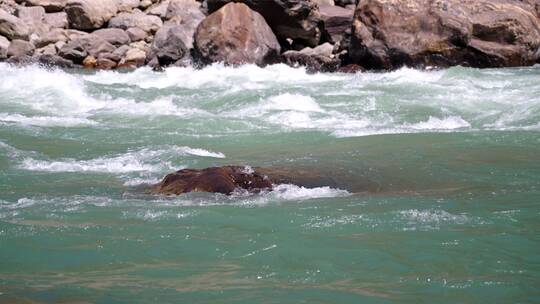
(186, 15)
(12, 27)
(147, 23)
(168, 45)
(298, 20)
(234, 35)
(90, 14)
(388, 34)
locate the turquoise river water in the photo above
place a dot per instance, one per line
(437, 200)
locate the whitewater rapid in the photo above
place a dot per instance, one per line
(274, 99)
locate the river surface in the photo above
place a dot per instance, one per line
(438, 199)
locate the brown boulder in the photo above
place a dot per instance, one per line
(387, 34)
(216, 180)
(298, 20)
(90, 14)
(12, 27)
(235, 34)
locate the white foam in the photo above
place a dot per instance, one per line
(293, 102)
(434, 123)
(160, 106)
(46, 121)
(245, 77)
(202, 152)
(146, 159)
(293, 192)
(416, 216)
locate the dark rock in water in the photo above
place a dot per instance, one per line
(235, 35)
(216, 180)
(54, 61)
(350, 68)
(227, 179)
(289, 19)
(319, 59)
(388, 34)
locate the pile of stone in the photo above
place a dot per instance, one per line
(323, 35)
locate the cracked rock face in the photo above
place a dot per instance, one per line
(388, 34)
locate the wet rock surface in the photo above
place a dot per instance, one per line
(228, 179)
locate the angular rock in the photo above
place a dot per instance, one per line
(21, 60)
(159, 9)
(147, 23)
(128, 5)
(49, 49)
(481, 33)
(52, 36)
(12, 27)
(337, 20)
(33, 13)
(19, 48)
(90, 14)
(133, 58)
(114, 36)
(298, 20)
(136, 34)
(4, 45)
(223, 180)
(51, 6)
(90, 45)
(34, 18)
(168, 45)
(54, 61)
(57, 20)
(145, 4)
(105, 63)
(319, 59)
(186, 14)
(90, 62)
(235, 34)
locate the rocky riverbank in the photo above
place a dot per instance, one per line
(323, 35)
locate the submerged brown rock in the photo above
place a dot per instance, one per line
(216, 179)
(228, 179)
